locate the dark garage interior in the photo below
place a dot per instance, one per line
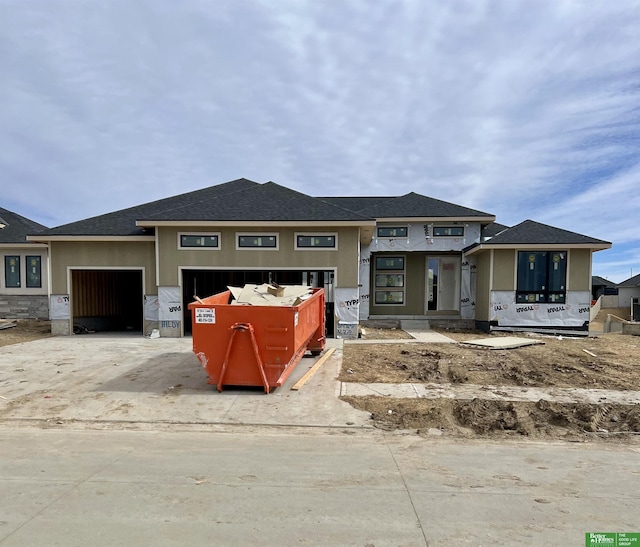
(203, 283)
(107, 301)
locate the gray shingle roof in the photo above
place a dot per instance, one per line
(601, 281)
(631, 282)
(531, 232)
(409, 205)
(493, 229)
(123, 222)
(357, 204)
(262, 202)
(17, 227)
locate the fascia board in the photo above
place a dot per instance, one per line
(252, 223)
(90, 238)
(481, 220)
(540, 246)
(25, 245)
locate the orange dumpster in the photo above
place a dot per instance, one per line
(244, 345)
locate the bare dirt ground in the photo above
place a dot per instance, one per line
(24, 331)
(607, 362)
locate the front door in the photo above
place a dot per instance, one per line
(442, 291)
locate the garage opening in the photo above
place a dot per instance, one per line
(107, 300)
(207, 282)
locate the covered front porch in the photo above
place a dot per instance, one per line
(418, 287)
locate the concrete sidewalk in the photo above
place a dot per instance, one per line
(419, 336)
(494, 393)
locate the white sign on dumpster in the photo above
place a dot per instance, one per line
(206, 315)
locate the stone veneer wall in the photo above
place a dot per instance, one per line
(24, 307)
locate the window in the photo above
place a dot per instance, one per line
(392, 231)
(390, 263)
(257, 241)
(389, 280)
(12, 271)
(199, 241)
(448, 231)
(542, 277)
(34, 271)
(316, 241)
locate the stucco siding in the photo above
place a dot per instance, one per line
(482, 286)
(103, 254)
(504, 268)
(579, 270)
(345, 258)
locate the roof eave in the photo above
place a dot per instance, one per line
(481, 219)
(90, 238)
(539, 246)
(25, 244)
(252, 223)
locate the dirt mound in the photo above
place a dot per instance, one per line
(484, 417)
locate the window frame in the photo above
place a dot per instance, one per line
(298, 247)
(276, 235)
(7, 258)
(399, 227)
(182, 247)
(447, 227)
(389, 273)
(28, 258)
(545, 294)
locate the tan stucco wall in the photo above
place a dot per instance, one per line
(579, 270)
(97, 254)
(345, 258)
(504, 268)
(483, 261)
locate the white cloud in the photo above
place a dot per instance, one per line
(525, 109)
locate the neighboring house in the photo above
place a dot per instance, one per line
(24, 266)
(627, 290)
(602, 287)
(405, 258)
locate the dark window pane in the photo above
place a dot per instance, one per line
(532, 271)
(557, 271)
(393, 231)
(389, 280)
(317, 241)
(257, 241)
(389, 297)
(450, 231)
(34, 272)
(12, 271)
(198, 241)
(390, 263)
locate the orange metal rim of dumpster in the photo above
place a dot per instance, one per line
(244, 345)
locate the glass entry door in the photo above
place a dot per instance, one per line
(442, 290)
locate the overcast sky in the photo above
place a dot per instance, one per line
(523, 109)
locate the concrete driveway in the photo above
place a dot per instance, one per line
(130, 379)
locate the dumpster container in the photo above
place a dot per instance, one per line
(245, 345)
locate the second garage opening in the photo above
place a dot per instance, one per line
(204, 283)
